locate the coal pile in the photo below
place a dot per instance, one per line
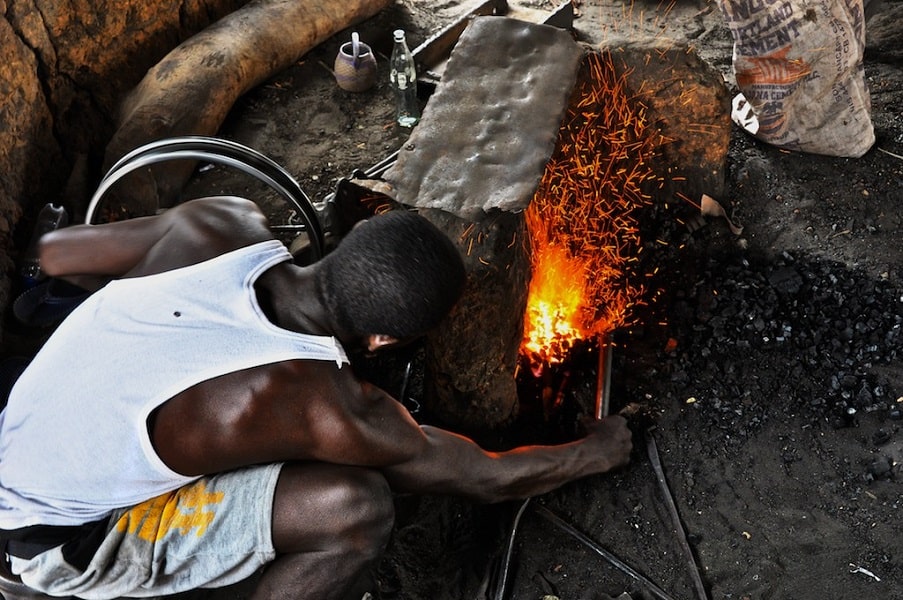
(781, 338)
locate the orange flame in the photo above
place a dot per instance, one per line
(557, 294)
(583, 232)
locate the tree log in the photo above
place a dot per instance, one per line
(471, 358)
(191, 91)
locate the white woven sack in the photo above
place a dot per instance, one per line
(799, 65)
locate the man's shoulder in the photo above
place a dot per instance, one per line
(221, 221)
(310, 373)
(316, 386)
(204, 228)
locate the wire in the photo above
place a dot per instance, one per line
(654, 458)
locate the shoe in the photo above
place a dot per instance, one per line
(48, 303)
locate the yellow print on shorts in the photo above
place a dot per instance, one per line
(183, 510)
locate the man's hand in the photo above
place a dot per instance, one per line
(613, 439)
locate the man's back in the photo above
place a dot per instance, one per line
(131, 347)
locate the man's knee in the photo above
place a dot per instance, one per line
(349, 509)
(373, 513)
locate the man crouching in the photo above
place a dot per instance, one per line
(195, 418)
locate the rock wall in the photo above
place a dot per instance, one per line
(64, 67)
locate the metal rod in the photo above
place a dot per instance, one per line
(603, 380)
(614, 560)
(382, 166)
(652, 450)
(404, 382)
(506, 561)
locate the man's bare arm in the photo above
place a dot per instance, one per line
(376, 431)
(186, 234)
(310, 411)
(452, 464)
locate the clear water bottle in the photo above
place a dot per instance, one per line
(403, 77)
(51, 217)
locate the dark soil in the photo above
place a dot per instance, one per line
(767, 373)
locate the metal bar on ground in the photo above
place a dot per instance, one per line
(509, 551)
(655, 459)
(620, 565)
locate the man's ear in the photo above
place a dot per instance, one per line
(380, 340)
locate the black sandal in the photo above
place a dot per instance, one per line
(48, 303)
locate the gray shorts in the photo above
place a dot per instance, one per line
(210, 533)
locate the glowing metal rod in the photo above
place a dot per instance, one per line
(603, 380)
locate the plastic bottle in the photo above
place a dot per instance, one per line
(51, 217)
(403, 77)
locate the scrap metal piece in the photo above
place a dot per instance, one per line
(857, 569)
(490, 127)
(431, 56)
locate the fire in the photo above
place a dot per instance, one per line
(583, 232)
(557, 294)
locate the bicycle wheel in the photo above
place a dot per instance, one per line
(300, 229)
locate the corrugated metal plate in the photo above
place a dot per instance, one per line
(490, 127)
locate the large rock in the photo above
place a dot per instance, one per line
(26, 140)
(64, 67)
(68, 65)
(91, 52)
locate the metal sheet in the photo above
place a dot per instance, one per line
(490, 127)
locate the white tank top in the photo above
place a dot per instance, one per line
(74, 443)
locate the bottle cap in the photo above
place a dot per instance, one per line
(399, 34)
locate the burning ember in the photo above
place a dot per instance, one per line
(581, 223)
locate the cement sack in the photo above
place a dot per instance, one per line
(798, 64)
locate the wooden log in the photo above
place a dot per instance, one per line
(192, 89)
(471, 358)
